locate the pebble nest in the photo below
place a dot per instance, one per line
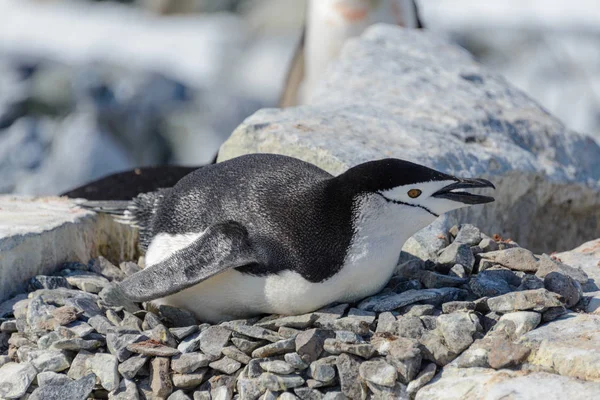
(73, 337)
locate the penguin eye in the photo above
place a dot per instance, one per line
(414, 193)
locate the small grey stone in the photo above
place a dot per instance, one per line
(113, 317)
(130, 321)
(105, 268)
(100, 323)
(277, 348)
(87, 281)
(277, 367)
(547, 264)
(226, 365)
(236, 354)
(202, 395)
(458, 271)
(117, 343)
(9, 326)
(326, 316)
(489, 283)
(15, 379)
(280, 382)
(385, 322)
(516, 258)
(152, 348)
(378, 372)
(394, 301)
(48, 282)
(52, 378)
(334, 395)
(176, 317)
(161, 334)
(190, 362)
(54, 361)
(130, 367)
(255, 332)
(434, 349)
(422, 379)
(79, 366)
(188, 381)
(524, 321)
(287, 333)
(455, 306)
(190, 343)
(503, 353)
(295, 361)
(75, 344)
(457, 253)
(183, 332)
(306, 393)
(86, 304)
(75, 390)
(160, 379)
(488, 244)
(129, 267)
(104, 366)
(468, 234)
(247, 346)
(213, 339)
(355, 325)
(254, 370)
(127, 390)
(530, 282)
(348, 337)
(418, 310)
(309, 344)
(458, 330)
(408, 326)
(287, 396)
(221, 393)
(434, 280)
(537, 300)
(402, 353)
(552, 313)
(294, 321)
(348, 371)
(335, 346)
(362, 315)
(179, 395)
(151, 321)
(6, 307)
(79, 328)
(323, 372)
(565, 286)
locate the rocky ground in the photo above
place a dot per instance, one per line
(485, 319)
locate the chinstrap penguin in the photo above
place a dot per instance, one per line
(266, 233)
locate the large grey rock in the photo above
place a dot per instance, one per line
(587, 258)
(482, 383)
(15, 379)
(427, 101)
(38, 234)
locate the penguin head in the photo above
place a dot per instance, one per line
(414, 187)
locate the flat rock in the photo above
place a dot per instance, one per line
(160, 377)
(536, 300)
(378, 372)
(476, 123)
(327, 316)
(391, 302)
(15, 379)
(104, 366)
(277, 348)
(569, 346)
(48, 282)
(226, 365)
(127, 390)
(130, 367)
(152, 348)
(54, 361)
(87, 281)
(309, 344)
(188, 381)
(255, 332)
(52, 378)
(348, 370)
(516, 258)
(458, 329)
(422, 379)
(482, 383)
(117, 343)
(457, 253)
(334, 346)
(213, 339)
(183, 332)
(277, 367)
(280, 382)
(524, 321)
(293, 321)
(74, 390)
(547, 264)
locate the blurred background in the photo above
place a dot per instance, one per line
(88, 88)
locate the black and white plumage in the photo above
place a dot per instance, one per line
(267, 233)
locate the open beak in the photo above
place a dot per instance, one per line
(456, 192)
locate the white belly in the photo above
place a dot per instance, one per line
(231, 294)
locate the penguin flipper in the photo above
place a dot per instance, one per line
(222, 246)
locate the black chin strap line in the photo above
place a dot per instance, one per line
(408, 204)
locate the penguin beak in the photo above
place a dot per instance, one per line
(455, 192)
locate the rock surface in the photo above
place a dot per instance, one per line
(426, 101)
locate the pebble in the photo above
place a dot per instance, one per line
(323, 370)
(188, 381)
(537, 300)
(160, 378)
(277, 348)
(161, 334)
(326, 316)
(408, 326)
(458, 329)
(277, 367)
(503, 353)
(236, 354)
(104, 267)
(85, 304)
(457, 253)
(434, 280)
(79, 366)
(130, 321)
(183, 332)
(349, 337)
(277, 383)
(456, 306)
(190, 362)
(565, 286)
(349, 375)
(256, 332)
(80, 328)
(48, 282)
(378, 372)
(296, 361)
(392, 302)
(334, 346)
(202, 395)
(130, 367)
(546, 265)
(524, 321)
(151, 321)
(247, 346)
(362, 315)
(516, 258)
(54, 361)
(117, 343)
(127, 390)
(15, 379)
(152, 348)
(179, 395)
(226, 365)
(355, 325)
(552, 313)
(309, 344)
(100, 323)
(52, 378)
(213, 339)
(293, 321)
(9, 326)
(488, 244)
(75, 344)
(105, 367)
(334, 395)
(426, 374)
(75, 390)
(434, 349)
(87, 281)
(458, 271)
